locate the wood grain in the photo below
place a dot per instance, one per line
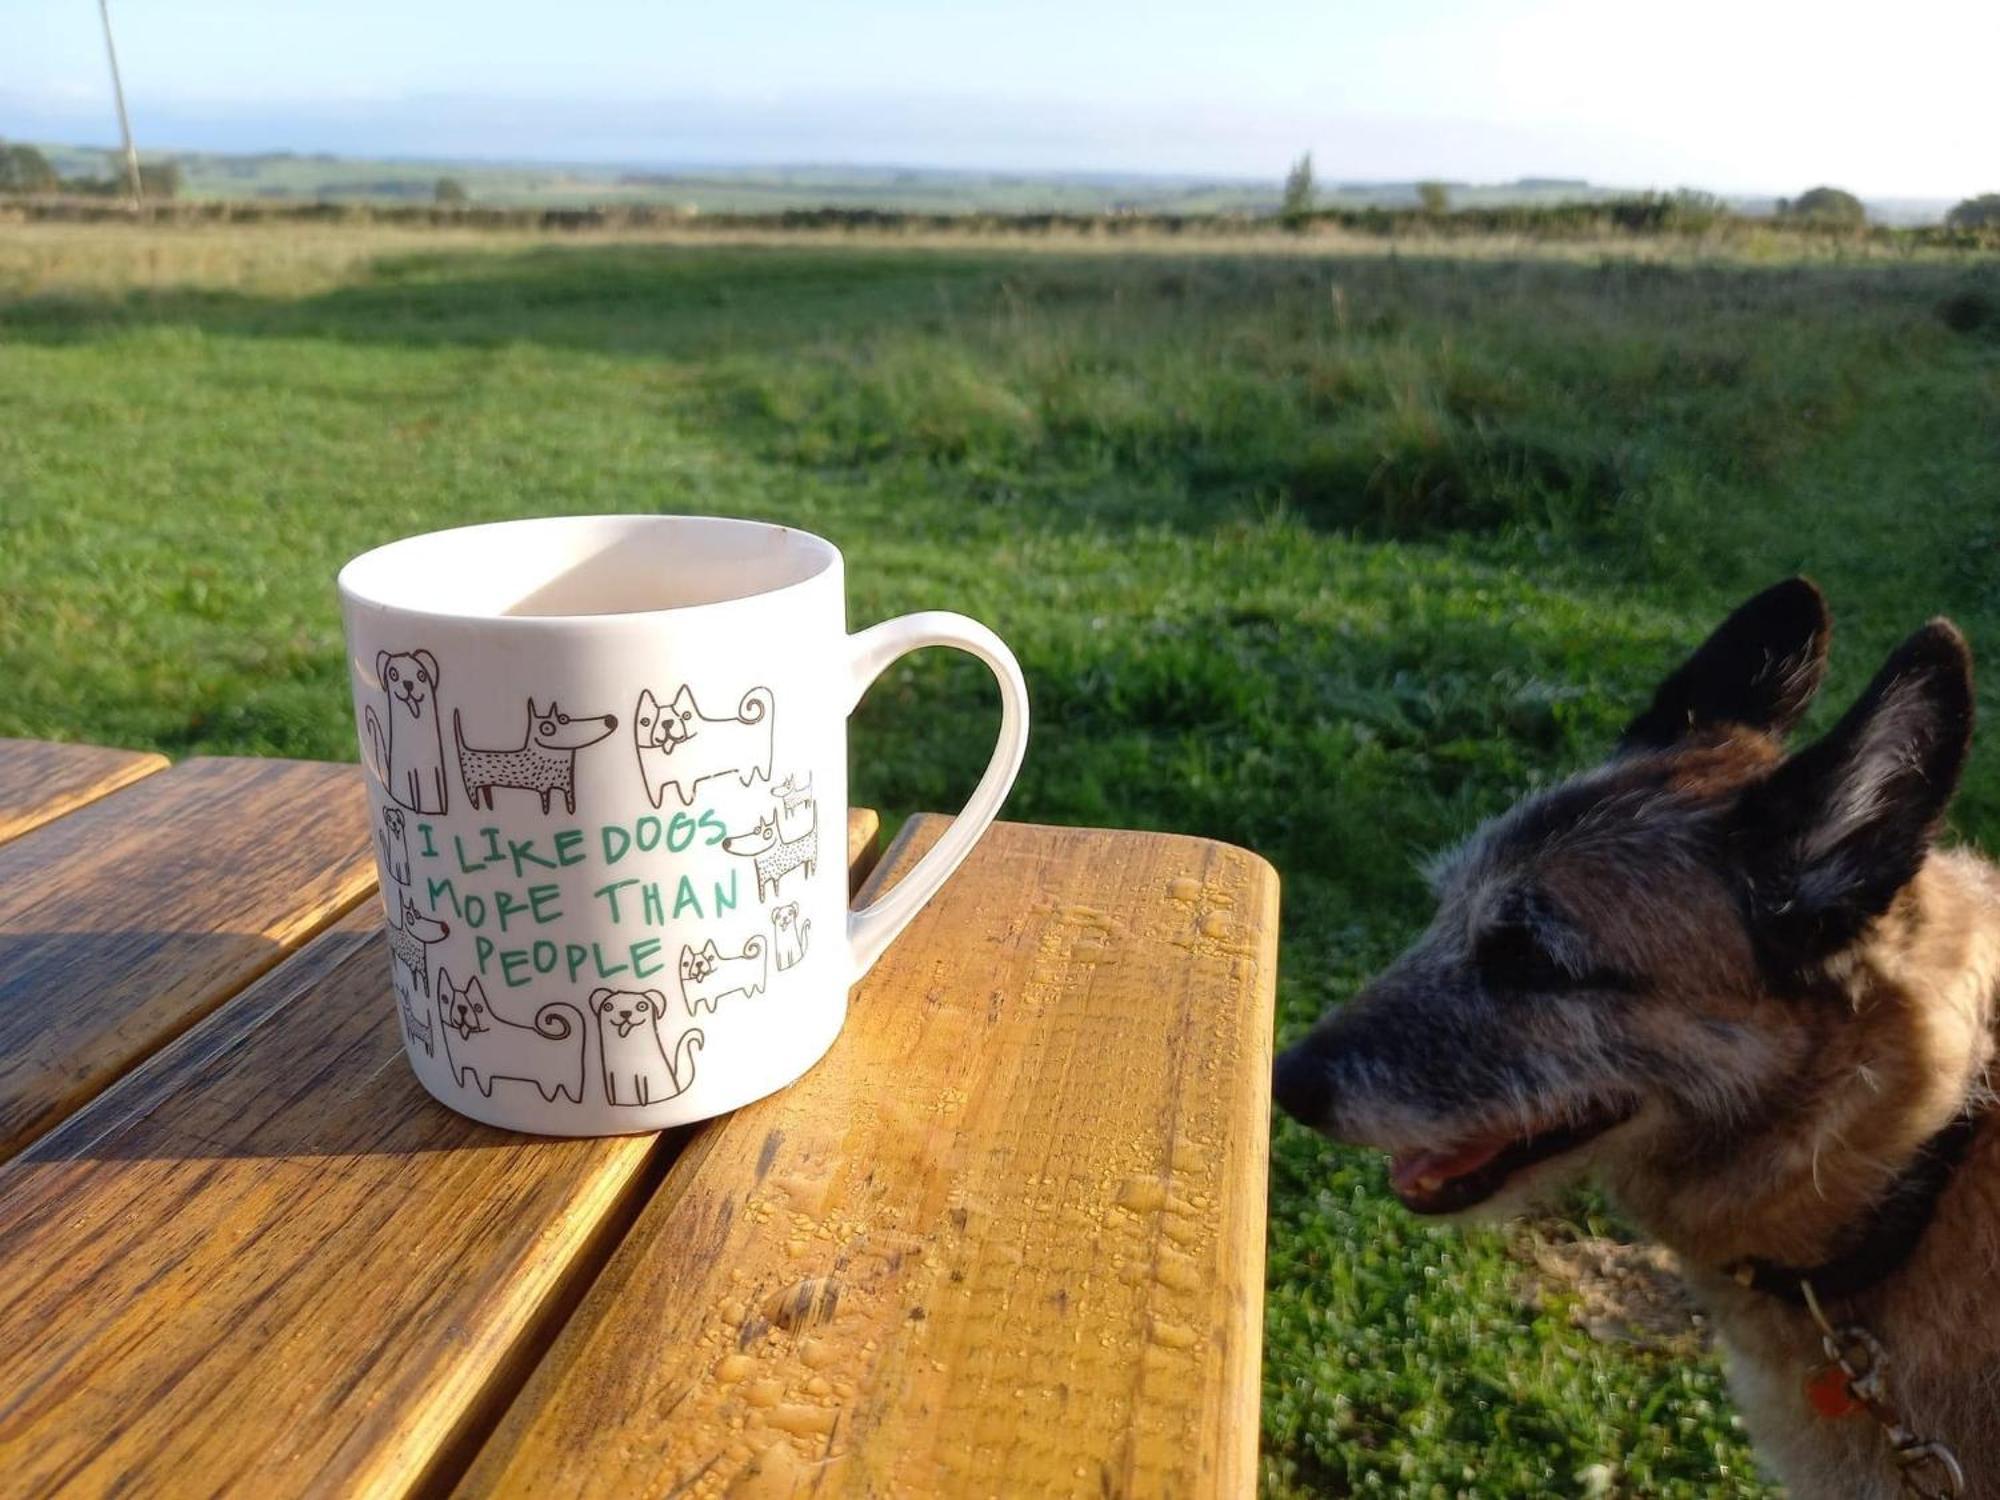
(1007, 1239)
(40, 780)
(864, 832)
(132, 917)
(267, 1263)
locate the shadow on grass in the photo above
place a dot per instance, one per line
(1383, 393)
(673, 300)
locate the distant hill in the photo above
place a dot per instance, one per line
(285, 176)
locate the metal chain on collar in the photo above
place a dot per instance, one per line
(1930, 1470)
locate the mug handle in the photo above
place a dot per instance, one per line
(873, 927)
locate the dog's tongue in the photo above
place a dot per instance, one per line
(1416, 1173)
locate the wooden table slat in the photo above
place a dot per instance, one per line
(41, 780)
(1006, 1239)
(267, 1263)
(864, 833)
(127, 920)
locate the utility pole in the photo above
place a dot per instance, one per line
(118, 92)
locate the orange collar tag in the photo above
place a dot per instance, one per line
(1830, 1395)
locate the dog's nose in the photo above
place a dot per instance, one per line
(1300, 1084)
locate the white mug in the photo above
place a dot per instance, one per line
(607, 759)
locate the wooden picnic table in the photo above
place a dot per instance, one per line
(1006, 1239)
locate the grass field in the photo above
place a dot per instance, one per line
(1326, 555)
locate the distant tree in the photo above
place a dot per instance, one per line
(1982, 212)
(160, 179)
(1827, 207)
(23, 169)
(1691, 208)
(1300, 190)
(450, 190)
(1434, 196)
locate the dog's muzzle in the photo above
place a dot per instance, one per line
(1301, 1085)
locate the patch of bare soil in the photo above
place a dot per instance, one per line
(1616, 1292)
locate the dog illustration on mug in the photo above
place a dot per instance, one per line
(707, 973)
(543, 763)
(681, 747)
(410, 942)
(393, 839)
(638, 1068)
(422, 1033)
(485, 1046)
(409, 748)
(773, 855)
(790, 932)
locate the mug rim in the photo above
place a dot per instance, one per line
(826, 558)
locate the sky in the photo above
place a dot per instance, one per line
(1730, 95)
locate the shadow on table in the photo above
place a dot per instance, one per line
(306, 1062)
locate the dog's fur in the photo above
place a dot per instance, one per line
(1754, 975)
(409, 749)
(543, 763)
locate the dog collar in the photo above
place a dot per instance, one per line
(1888, 1237)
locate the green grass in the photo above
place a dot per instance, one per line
(1328, 557)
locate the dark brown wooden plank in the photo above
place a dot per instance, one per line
(129, 919)
(1006, 1239)
(267, 1263)
(40, 780)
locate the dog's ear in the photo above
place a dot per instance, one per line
(1758, 670)
(382, 669)
(430, 664)
(531, 709)
(598, 997)
(1830, 836)
(445, 986)
(659, 1002)
(475, 989)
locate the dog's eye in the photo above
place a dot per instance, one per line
(1510, 958)
(392, 675)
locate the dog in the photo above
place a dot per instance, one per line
(422, 1033)
(637, 1067)
(773, 855)
(393, 839)
(485, 1046)
(707, 973)
(1746, 992)
(409, 750)
(543, 763)
(411, 942)
(790, 934)
(680, 747)
(796, 806)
